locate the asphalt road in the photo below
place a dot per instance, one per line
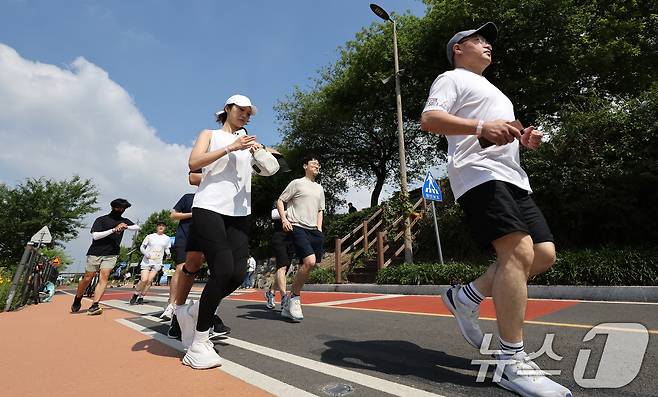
(381, 345)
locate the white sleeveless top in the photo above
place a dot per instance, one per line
(226, 184)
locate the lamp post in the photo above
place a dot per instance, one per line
(380, 12)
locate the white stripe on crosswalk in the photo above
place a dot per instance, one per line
(247, 375)
(138, 309)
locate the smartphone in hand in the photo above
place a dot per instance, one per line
(485, 143)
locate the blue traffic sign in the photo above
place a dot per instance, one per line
(431, 190)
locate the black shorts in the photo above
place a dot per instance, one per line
(308, 242)
(495, 209)
(180, 251)
(282, 248)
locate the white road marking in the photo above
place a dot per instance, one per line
(247, 375)
(356, 300)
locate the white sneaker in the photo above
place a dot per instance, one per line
(467, 319)
(269, 300)
(293, 309)
(202, 355)
(521, 375)
(168, 312)
(187, 316)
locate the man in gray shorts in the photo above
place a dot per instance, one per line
(302, 218)
(102, 255)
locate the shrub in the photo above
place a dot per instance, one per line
(322, 275)
(604, 266)
(429, 273)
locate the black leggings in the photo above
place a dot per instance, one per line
(224, 242)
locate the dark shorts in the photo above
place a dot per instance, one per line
(282, 248)
(308, 242)
(495, 209)
(180, 250)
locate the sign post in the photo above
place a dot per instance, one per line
(432, 192)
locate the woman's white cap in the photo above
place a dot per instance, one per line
(239, 100)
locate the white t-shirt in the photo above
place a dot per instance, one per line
(251, 263)
(468, 95)
(154, 247)
(226, 184)
(304, 199)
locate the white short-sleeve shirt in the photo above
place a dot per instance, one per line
(471, 96)
(156, 246)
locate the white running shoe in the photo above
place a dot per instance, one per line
(168, 312)
(202, 355)
(518, 373)
(269, 300)
(187, 316)
(467, 319)
(293, 309)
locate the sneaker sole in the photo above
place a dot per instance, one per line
(192, 365)
(290, 316)
(95, 313)
(448, 304)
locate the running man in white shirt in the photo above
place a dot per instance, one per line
(154, 247)
(494, 192)
(301, 207)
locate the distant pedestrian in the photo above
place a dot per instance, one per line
(350, 208)
(154, 247)
(251, 269)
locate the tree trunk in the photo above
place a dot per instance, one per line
(374, 198)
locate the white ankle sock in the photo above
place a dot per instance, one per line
(201, 337)
(470, 296)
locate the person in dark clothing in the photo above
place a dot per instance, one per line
(102, 255)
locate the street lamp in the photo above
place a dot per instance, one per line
(380, 12)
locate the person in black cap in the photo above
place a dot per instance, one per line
(102, 255)
(494, 192)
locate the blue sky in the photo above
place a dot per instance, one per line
(180, 60)
(117, 91)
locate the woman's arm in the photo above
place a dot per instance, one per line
(201, 157)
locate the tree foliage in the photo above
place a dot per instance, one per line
(57, 252)
(602, 48)
(27, 207)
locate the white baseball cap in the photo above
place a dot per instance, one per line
(239, 100)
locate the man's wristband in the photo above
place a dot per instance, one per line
(478, 129)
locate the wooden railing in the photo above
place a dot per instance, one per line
(365, 241)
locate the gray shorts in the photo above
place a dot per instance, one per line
(96, 263)
(151, 267)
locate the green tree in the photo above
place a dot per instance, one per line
(149, 226)
(605, 48)
(596, 177)
(54, 252)
(349, 117)
(26, 208)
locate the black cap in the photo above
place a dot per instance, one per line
(120, 203)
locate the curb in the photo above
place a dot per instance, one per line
(593, 293)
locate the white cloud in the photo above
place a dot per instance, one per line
(60, 121)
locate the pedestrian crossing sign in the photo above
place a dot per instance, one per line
(431, 190)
